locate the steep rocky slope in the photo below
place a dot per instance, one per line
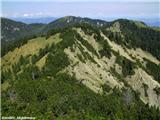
(94, 58)
(94, 70)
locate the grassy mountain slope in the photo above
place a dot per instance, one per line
(81, 72)
(29, 49)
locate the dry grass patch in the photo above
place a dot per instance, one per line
(30, 48)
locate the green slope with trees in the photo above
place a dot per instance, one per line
(51, 93)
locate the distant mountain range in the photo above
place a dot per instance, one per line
(13, 31)
(45, 20)
(30, 26)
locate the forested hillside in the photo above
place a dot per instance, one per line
(86, 70)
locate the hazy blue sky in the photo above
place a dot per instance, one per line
(84, 8)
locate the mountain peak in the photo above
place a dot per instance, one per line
(68, 18)
(131, 22)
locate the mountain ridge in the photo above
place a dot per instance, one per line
(41, 29)
(84, 71)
